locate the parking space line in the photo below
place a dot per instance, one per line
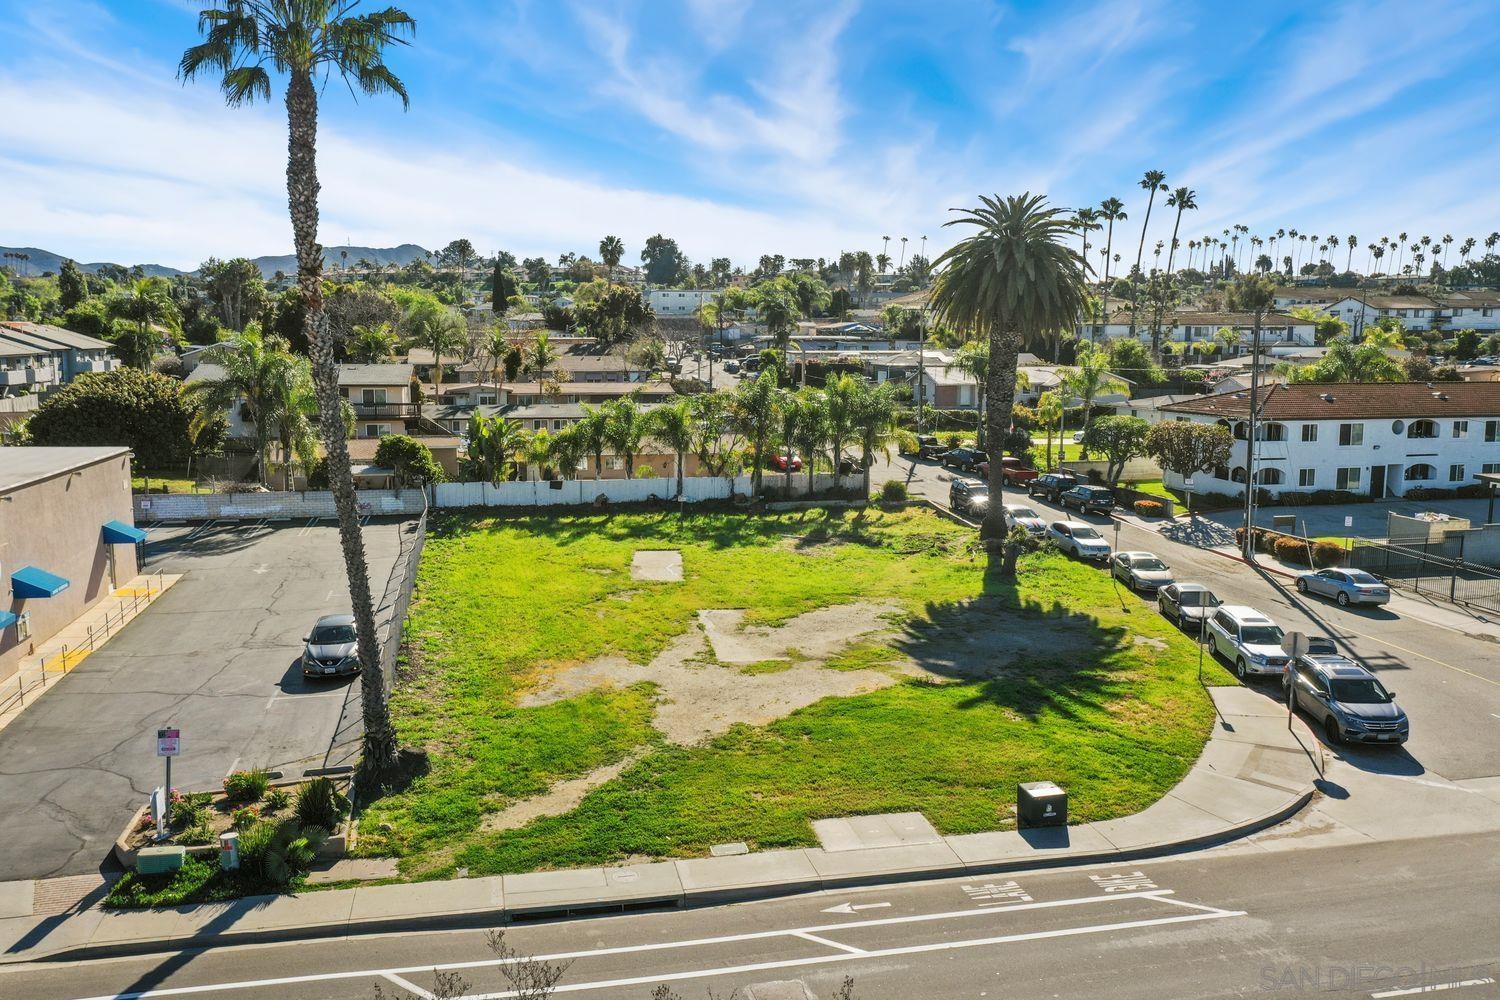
(409, 987)
(831, 944)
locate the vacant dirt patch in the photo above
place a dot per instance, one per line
(817, 635)
(560, 798)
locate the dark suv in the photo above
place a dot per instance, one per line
(970, 498)
(1088, 500)
(962, 459)
(1052, 485)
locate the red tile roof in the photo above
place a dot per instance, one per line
(1353, 401)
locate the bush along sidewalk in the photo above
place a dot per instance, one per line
(1293, 549)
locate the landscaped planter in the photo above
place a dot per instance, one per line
(137, 835)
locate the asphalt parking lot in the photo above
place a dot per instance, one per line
(215, 656)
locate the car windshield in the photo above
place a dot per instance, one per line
(1260, 635)
(1152, 565)
(1022, 512)
(1358, 691)
(1082, 532)
(1196, 599)
(1360, 576)
(327, 635)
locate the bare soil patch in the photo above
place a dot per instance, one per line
(656, 565)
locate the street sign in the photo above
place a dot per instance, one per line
(1348, 520)
(168, 742)
(1294, 644)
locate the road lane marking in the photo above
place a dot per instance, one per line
(1155, 894)
(852, 907)
(409, 987)
(1434, 988)
(831, 944)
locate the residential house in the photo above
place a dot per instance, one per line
(1450, 312)
(457, 402)
(367, 475)
(66, 353)
(26, 369)
(679, 301)
(1276, 329)
(1380, 439)
(382, 397)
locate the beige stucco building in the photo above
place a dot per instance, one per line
(67, 538)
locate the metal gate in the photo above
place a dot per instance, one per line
(1420, 570)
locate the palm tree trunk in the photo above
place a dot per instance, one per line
(681, 461)
(1172, 247)
(1109, 242)
(302, 201)
(1135, 293)
(1000, 394)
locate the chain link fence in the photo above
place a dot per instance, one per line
(1417, 568)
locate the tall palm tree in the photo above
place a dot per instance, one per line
(1152, 181)
(1014, 277)
(673, 425)
(1089, 379)
(294, 417)
(1183, 199)
(972, 360)
(373, 345)
(1086, 219)
(876, 415)
(439, 329)
(309, 40)
(805, 426)
(625, 427)
(753, 406)
(611, 250)
(592, 434)
(1111, 210)
(141, 312)
(842, 393)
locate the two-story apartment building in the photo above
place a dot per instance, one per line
(1378, 439)
(1276, 329)
(679, 301)
(53, 355)
(25, 369)
(382, 398)
(1452, 311)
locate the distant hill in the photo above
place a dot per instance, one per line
(43, 261)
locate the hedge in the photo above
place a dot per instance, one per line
(1149, 508)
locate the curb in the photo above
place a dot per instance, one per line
(606, 902)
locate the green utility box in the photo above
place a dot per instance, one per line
(159, 860)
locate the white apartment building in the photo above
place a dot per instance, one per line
(679, 301)
(1276, 329)
(1450, 312)
(1378, 439)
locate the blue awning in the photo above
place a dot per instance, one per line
(28, 581)
(7, 620)
(120, 533)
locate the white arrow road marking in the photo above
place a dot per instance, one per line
(852, 907)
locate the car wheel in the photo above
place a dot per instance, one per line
(1343, 599)
(1242, 669)
(1301, 586)
(1331, 731)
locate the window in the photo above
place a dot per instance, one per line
(1309, 432)
(1491, 431)
(1422, 429)
(1460, 428)
(1269, 477)
(1350, 479)
(1456, 474)
(1419, 473)
(1238, 475)
(1491, 467)
(1307, 478)
(1272, 432)
(1351, 435)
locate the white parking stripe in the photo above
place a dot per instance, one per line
(831, 944)
(411, 988)
(1154, 894)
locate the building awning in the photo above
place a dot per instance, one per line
(120, 533)
(29, 581)
(7, 620)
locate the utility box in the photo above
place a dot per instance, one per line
(229, 850)
(159, 860)
(1041, 803)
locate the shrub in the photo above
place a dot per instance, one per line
(247, 786)
(277, 799)
(244, 818)
(196, 835)
(320, 804)
(893, 491)
(1149, 508)
(954, 440)
(1296, 552)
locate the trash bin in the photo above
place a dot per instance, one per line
(229, 850)
(1041, 803)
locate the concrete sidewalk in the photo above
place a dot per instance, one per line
(1255, 771)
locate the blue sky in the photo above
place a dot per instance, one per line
(744, 127)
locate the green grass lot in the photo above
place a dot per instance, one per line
(1201, 501)
(165, 481)
(1117, 720)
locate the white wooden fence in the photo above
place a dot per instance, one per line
(574, 492)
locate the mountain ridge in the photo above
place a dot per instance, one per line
(44, 261)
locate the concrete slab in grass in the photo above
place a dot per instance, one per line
(587, 888)
(17, 898)
(1018, 847)
(708, 881)
(458, 902)
(880, 830)
(885, 864)
(1233, 800)
(656, 565)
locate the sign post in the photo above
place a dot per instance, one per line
(1295, 645)
(168, 745)
(1187, 487)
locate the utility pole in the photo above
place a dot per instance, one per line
(922, 367)
(1250, 442)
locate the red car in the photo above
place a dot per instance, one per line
(786, 463)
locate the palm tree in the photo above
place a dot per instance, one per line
(294, 415)
(611, 249)
(972, 360)
(140, 313)
(568, 449)
(1013, 278)
(805, 426)
(1183, 199)
(439, 329)
(843, 400)
(1088, 379)
(875, 422)
(625, 426)
(778, 310)
(373, 345)
(1152, 181)
(254, 369)
(309, 40)
(540, 357)
(673, 425)
(1086, 219)
(754, 409)
(593, 437)
(537, 453)
(1111, 210)
(1049, 413)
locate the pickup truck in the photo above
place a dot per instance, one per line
(1013, 472)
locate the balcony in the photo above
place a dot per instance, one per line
(98, 365)
(387, 411)
(39, 375)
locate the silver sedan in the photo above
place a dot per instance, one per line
(1347, 586)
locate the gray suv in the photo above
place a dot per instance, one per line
(332, 649)
(1348, 700)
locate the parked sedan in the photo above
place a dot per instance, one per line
(963, 459)
(1186, 604)
(968, 497)
(1017, 515)
(1347, 586)
(331, 648)
(1088, 499)
(1140, 571)
(1079, 539)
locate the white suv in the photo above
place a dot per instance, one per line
(1248, 639)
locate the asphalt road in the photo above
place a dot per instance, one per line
(1446, 676)
(215, 655)
(1359, 921)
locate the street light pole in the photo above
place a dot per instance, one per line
(1250, 442)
